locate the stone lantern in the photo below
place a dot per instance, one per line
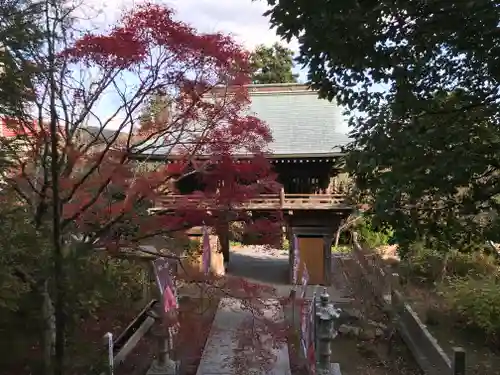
(326, 314)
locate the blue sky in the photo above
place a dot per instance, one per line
(241, 18)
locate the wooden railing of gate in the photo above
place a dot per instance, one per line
(262, 202)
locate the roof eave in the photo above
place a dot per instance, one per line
(156, 157)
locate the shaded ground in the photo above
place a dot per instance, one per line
(85, 345)
(376, 349)
(259, 264)
(195, 317)
(481, 358)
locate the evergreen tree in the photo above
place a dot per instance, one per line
(272, 65)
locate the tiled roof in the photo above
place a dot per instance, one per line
(300, 122)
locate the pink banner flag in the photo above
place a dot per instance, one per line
(207, 253)
(296, 258)
(163, 271)
(169, 300)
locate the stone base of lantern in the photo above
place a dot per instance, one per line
(168, 368)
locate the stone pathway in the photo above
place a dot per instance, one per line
(219, 349)
(259, 264)
(264, 266)
(271, 267)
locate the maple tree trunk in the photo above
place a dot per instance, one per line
(58, 260)
(57, 245)
(49, 329)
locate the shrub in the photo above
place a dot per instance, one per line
(236, 231)
(476, 303)
(421, 264)
(189, 247)
(285, 244)
(341, 249)
(476, 264)
(428, 265)
(103, 280)
(373, 235)
(25, 256)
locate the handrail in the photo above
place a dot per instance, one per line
(313, 195)
(261, 196)
(131, 335)
(265, 201)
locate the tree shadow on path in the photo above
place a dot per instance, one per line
(259, 265)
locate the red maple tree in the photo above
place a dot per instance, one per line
(104, 187)
(158, 55)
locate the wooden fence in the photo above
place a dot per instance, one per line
(386, 288)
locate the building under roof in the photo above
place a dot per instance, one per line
(301, 124)
(307, 136)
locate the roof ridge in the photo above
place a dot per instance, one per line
(283, 92)
(286, 84)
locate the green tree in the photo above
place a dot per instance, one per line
(272, 64)
(20, 36)
(156, 109)
(420, 80)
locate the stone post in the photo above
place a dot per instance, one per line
(396, 302)
(326, 314)
(222, 232)
(458, 366)
(163, 364)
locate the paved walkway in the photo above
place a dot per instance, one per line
(256, 264)
(221, 342)
(271, 267)
(263, 266)
(259, 264)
